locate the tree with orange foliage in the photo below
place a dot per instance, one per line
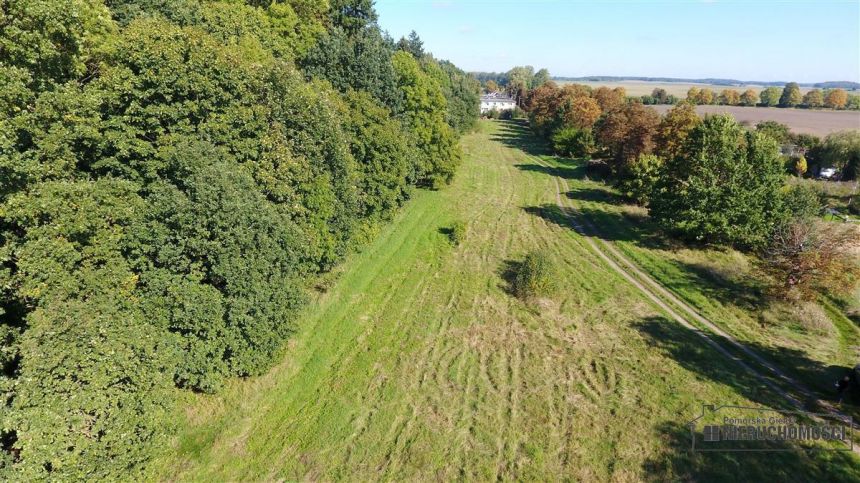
(749, 98)
(674, 128)
(582, 112)
(693, 95)
(543, 106)
(730, 97)
(836, 99)
(706, 96)
(628, 132)
(576, 90)
(609, 99)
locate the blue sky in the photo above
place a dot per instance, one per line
(756, 40)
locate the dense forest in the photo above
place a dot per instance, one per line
(176, 174)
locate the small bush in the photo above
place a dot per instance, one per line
(640, 178)
(536, 276)
(457, 233)
(803, 201)
(570, 141)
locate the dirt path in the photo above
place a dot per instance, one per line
(668, 301)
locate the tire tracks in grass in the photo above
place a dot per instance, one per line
(668, 302)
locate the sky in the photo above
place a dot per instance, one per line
(758, 40)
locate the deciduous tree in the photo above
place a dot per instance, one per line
(749, 98)
(706, 97)
(628, 132)
(725, 188)
(835, 99)
(806, 256)
(730, 97)
(770, 96)
(791, 96)
(660, 95)
(540, 78)
(609, 99)
(813, 99)
(674, 128)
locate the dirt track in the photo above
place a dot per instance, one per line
(798, 396)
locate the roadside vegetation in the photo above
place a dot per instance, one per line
(176, 175)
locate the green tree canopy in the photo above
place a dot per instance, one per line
(791, 96)
(770, 96)
(424, 111)
(725, 188)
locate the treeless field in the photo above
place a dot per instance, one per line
(678, 89)
(818, 122)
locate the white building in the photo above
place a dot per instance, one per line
(497, 101)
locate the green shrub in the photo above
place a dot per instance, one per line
(641, 177)
(570, 141)
(535, 277)
(802, 201)
(457, 233)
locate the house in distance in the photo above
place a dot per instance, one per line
(498, 101)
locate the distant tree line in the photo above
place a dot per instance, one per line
(516, 82)
(175, 175)
(712, 81)
(788, 96)
(712, 180)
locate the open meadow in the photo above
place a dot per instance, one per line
(419, 364)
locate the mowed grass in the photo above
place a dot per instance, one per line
(815, 342)
(419, 364)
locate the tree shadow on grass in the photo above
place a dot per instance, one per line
(508, 273)
(515, 134)
(677, 462)
(742, 292)
(574, 170)
(598, 194)
(697, 356)
(602, 224)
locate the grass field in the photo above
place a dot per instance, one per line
(818, 122)
(418, 364)
(677, 89)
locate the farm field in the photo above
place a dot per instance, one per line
(818, 122)
(677, 89)
(419, 364)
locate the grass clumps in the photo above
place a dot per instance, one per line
(535, 277)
